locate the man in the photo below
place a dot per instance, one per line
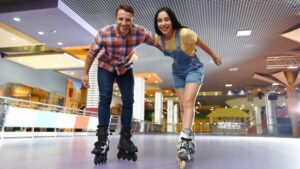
(118, 41)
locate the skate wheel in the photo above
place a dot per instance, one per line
(182, 165)
(95, 160)
(134, 157)
(123, 157)
(119, 155)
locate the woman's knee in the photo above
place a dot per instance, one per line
(188, 104)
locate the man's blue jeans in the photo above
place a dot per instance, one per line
(126, 85)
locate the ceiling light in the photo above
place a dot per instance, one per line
(236, 93)
(59, 43)
(229, 93)
(41, 33)
(242, 92)
(275, 84)
(210, 93)
(17, 19)
(228, 85)
(292, 67)
(13, 38)
(244, 33)
(77, 74)
(48, 61)
(233, 69)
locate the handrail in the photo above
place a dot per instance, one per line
(50, 106)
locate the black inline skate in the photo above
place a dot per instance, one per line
(101, 146)
(127, 150)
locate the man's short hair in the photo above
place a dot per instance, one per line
(126, 8)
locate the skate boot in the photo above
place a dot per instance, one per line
(185, 148)
(127, 150)
(101, 146)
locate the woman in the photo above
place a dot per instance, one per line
(180, 43)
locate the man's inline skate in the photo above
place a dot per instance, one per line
(185, 148)
(127, 149)
(101, 146)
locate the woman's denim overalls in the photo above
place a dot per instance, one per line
(185, 68)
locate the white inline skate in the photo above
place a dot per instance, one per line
(185, 148)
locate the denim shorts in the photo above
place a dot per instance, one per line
(193, 74)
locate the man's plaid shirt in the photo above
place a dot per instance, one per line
(115, 51)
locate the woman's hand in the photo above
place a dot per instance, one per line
(217, 60)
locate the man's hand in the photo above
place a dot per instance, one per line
(85, 81)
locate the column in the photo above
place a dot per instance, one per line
(170, 113)
(176, 113)
(271, 115)
(176, 116)
(158, 109)
(139, 102)
(292, 102)
(258, 124)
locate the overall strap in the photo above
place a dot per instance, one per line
(162, 41)
(177, 38)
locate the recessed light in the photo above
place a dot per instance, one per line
(233, 69)
(292, 67)
(59, 43)
(228, 85)
(13, 38)
(17, 19)
(41, 33)
(244, 33)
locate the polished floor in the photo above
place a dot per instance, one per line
(155, 152)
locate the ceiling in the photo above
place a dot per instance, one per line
(75, 22)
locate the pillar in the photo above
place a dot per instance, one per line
(170, 117)
(139, 101)
(158, 109)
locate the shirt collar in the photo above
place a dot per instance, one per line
(116, 31)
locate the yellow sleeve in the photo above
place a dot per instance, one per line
(188, 39)
(157, 39)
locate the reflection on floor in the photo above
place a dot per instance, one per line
(155, 152)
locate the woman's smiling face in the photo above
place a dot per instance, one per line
(164, 24)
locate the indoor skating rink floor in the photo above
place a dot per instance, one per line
(155, 152)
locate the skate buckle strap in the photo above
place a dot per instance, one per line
(186, 139)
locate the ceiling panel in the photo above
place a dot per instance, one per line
(215, 21)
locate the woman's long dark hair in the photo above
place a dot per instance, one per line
(175, 23)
